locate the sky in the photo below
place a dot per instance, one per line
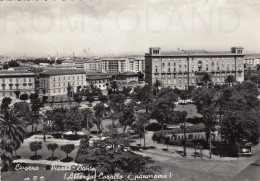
(126, 27)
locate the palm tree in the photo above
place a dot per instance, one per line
(12, 128)
(12, 131)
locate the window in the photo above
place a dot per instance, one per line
(10, 79)
(163, 64)
(169, 70)
(59, 78)
(30, 79)
(24, 79)
(174, 64)
(174, 69)
(212, 64)
(17, 80)
(64, 78)
(53, 78)
(169, 64)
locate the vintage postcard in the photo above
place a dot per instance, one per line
(129, 90)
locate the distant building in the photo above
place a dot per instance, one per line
(127, 77)
(182, 69)
(44, 64)
(93, 65)
(56, 82)
(98, 79)
(252, 60)
(16, 81)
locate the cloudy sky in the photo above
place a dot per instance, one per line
(119, 27)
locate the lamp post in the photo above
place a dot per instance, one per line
(188, 64)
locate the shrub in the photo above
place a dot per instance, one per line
(153, 127)
(56, 135)
(74, 137)
(24, 97)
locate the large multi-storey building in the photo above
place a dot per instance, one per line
(93, 65)
(56, 82)
(12, 82)
(182, 69)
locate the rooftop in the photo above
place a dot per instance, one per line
(62, 72)
(14, 73)
(128, 73)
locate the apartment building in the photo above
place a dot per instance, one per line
(13, 82)
(181, 69)
(56, 82)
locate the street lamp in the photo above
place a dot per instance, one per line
(188, 64)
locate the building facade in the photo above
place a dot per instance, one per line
(16, 81)
(93, 65)
(182, 69)
(56, 82)
(98, 79)
(252, 60)
(127, 77)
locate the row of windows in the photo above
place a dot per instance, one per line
(185, 81)
(16, 79)
(64, 84)
(64, 78)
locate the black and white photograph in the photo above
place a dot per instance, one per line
(130, 90)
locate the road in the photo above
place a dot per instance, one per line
(252, 172)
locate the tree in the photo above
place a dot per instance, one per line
(13, 63)
(206, 79)
(73, 120)
(12, 127)
(209, 120)
(78, 98)
(114, 85)
(117, 102)
(103, 98)
(230, 79)
(88, 117)
(58, 116)
(126, 91)
(180, 117)
(157, 84)
(6, 101)
(33, 96)
(52, 147)
(144, 96)
(24, 97)
(90, 99)
(68, 148)
(140, 124)
(140, 76)
(100, 112)
(17, 93)
(44, 99)
(202, 97)
(127, 116)
(114, 155)
(162, 112)
(13, 132)
(35, 146)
